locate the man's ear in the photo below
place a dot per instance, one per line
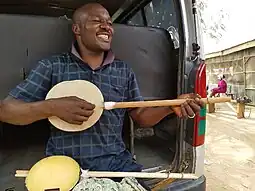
(76, 29)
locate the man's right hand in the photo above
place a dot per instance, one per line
(71, 109)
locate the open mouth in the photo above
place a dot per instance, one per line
(104, 37)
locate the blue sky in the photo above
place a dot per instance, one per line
(240, 25)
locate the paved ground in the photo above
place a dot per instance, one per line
(230, 150)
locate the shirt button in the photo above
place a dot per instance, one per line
(93, 72)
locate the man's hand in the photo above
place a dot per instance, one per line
(189, 108)
(71, 109)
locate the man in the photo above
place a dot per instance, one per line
(99, 147)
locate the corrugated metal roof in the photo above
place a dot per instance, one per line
(233, 49)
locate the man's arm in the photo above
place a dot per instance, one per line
(148, 117)
(26, 102)
(70, 109)
(145, 117)
(18, 112)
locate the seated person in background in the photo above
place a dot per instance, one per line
(100, 147)
(222, 87)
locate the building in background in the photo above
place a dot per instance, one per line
(238, 65)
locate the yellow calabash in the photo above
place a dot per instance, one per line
(52, 172)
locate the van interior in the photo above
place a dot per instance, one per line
(26, 37)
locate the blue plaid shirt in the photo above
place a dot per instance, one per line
(100, 147)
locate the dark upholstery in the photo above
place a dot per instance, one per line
(149, 51)
(24, 40)
(151, 54)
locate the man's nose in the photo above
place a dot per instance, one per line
(106, 26)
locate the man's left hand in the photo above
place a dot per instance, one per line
(189, 108)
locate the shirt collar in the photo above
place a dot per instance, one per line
(109, 55)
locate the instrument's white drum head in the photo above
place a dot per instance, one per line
(83, 90)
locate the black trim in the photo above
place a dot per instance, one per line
(145, 22)
(53, 8)
(188, 185)
(131, 11)
(194, 11)
(42, 10)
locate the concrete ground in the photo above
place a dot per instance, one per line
(230, 150)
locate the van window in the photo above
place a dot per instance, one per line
(137, 19)
(160, 14)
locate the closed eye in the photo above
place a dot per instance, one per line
(96, 21)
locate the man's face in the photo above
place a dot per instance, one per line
(96, 30)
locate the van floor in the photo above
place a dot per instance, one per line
(13, 159)
(153, 152)
(22, 152)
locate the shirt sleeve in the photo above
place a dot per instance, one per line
(36, 86)
(133, 88)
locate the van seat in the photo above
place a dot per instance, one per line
(151, 54)
(149, 51)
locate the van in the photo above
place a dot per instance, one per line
(160, 39)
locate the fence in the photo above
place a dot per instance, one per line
(238, 65)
